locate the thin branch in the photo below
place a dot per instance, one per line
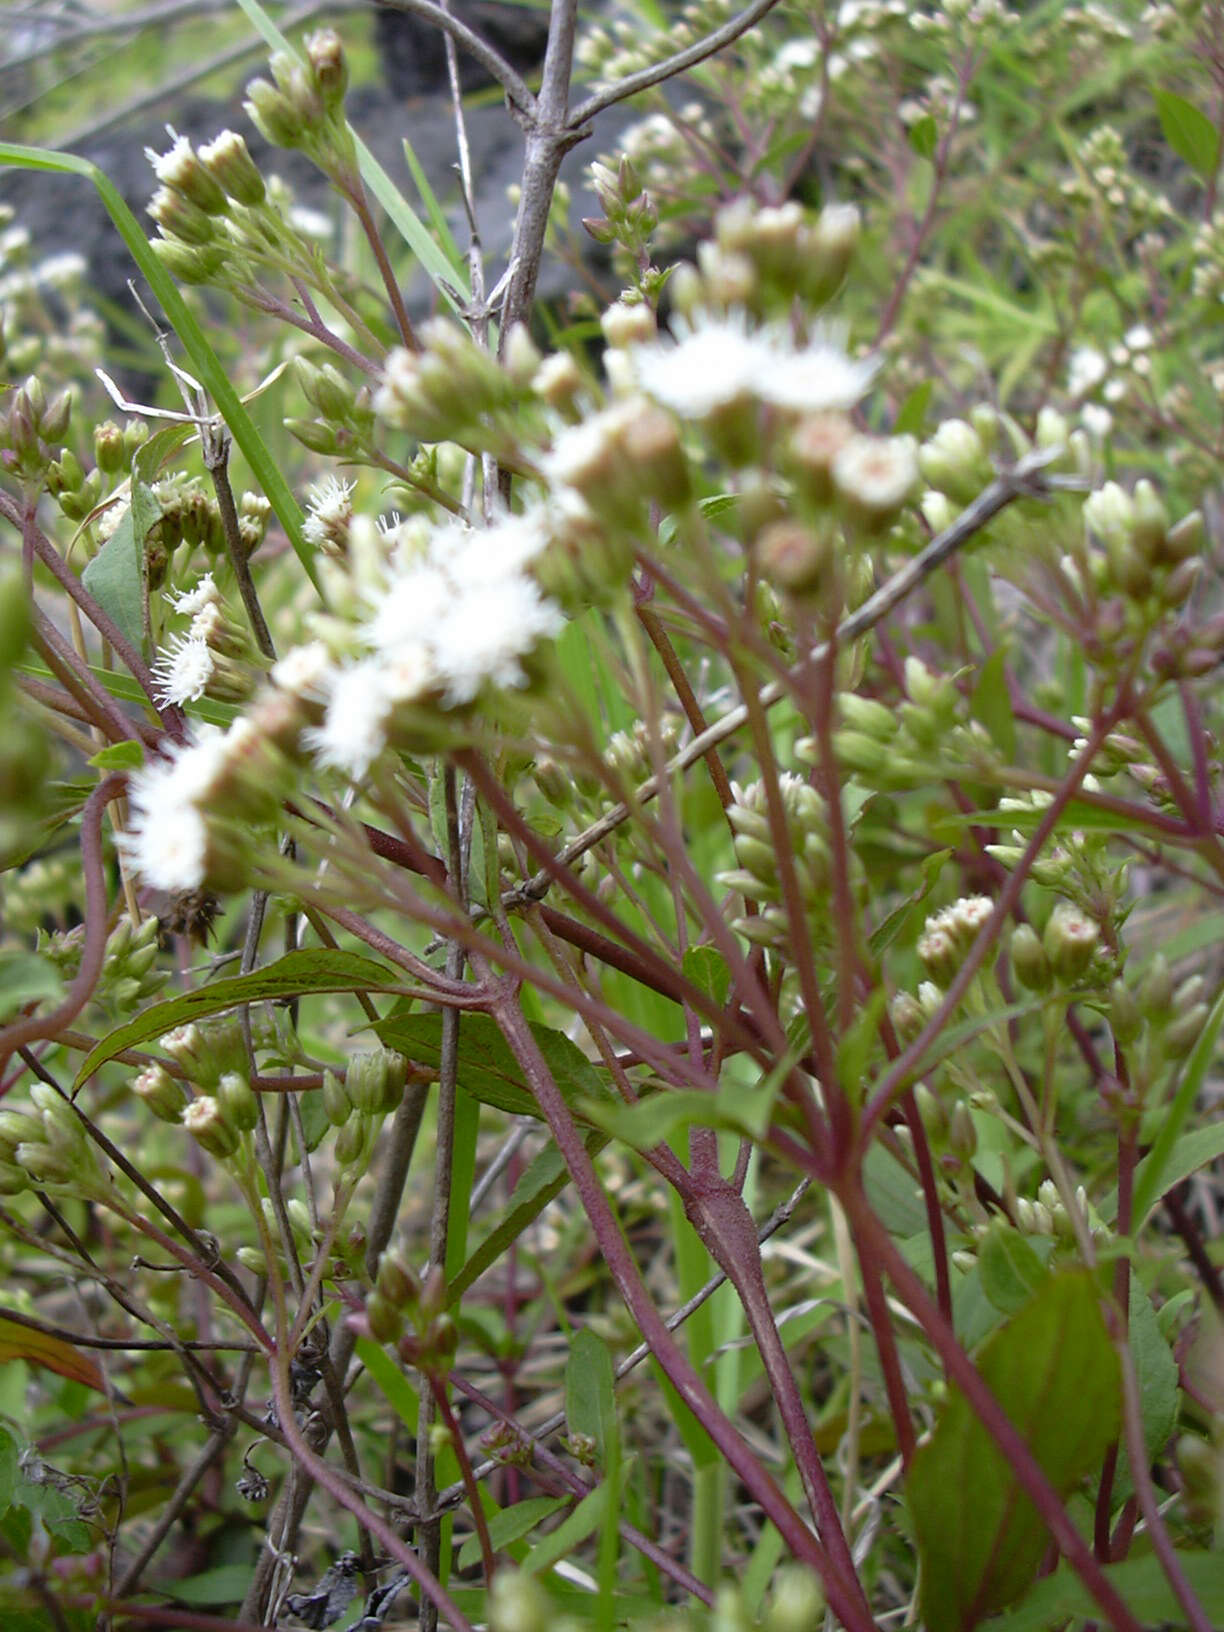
(670, 66)
(514, 86)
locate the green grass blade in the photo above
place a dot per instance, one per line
(204, 361)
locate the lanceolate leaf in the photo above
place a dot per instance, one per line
(21, 1342)
(116, 575)
(295, 975)
(980, 1538)
(590, 1403)
(1189, 132)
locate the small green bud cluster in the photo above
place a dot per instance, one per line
(47, 1147)
(451, 390)
(1078, 865)
(32, 428)
(130, 975)
(1104, 189)
(41, 890)
(948, 935)
(77, 491)
(344, 413)
(1048, 1215)
(628, 754)
(952, 1134)
(630, 214)
(207, 1050)
(1146, 559)
(303, 106)
(402, 1310)
(902, 746)
(756, 877)
(372, 1088)
(115, 447)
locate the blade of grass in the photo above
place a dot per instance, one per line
(204, 361)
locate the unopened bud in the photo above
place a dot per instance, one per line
(1070, 940)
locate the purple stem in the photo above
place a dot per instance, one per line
(32, 1027)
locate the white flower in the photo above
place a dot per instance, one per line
(354, 730)
(167, 836)
(878, 472)
(718, 362)
(311, 222)
(713, 365)
(580, 453)
(412, 608)
(1086, 370)
(818, 378)
(171, 166)
(183, 671)
(329, 514)
(497, 551)
(488, 631)
(305, 671)
(1139, 338)
(58, 270)
(191, 601)
(1097, 421)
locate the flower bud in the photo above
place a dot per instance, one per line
(1070, 940)
(908, 1018)
(1151, 520)
(954, 460)
(386, 1322)
(1029, 960)
(228, 160)
(328, 65)
(518, 1603)
(16, 1128)
(1125, 1020)
(1155, 993)
(875, 477)
(273, 115)
(178, 218)
(336, 1102)
(1187, 539)
(208, 1126)
(375, 1080)
(161, 1093)
(798, 559)
(352, 1142)
(237, 1101)
(396, 1281)
(1182, 1035)
(796, 1601)
(940, 955)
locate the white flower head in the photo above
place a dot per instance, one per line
(171, 166)
(191, 601)
(488, 632)
(354, 730)
(305, 671)
(329, 514)
(413, 607)
(183, 671)
(167, 836)
(1086, 370)
(711, 366)
(816, 378)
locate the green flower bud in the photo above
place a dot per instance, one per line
(518, 1603)
(328, 65)
(1155, 994)
(314, 434)
(798, 559)
(375, 1080)
(237, 1101)
(386, 1321)
(178, 218)
(1151, 520)
(908, 1019)
(45, 1164)
(161, 1093)
(352, 1142)
(252, 1258)
(16, 1128)
(1070, 940)
(1186, 540)
(208, 1126)
(1125, 1020)
(962, 1135)
(336, 1102)
(869, 715)
(228, 159)
(396, 1281)
(187, 262)
(941, 956)
(1182, 1035)
(274, 115)
(954, 461)
(796, 1601)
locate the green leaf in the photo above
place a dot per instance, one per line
(204, 361)
(318, 969)
(990, 704)
(1156, 1173)
(25, 977)
(980, 1538)
(590, 1400)
(1141, 1582)
(911, 416)
(707, 969)
(399, 1391)
(1011, 1271)
(314, 1117)
(510, 1525)
(924, 136)
(570, 1533)
(488, 1069)
(116, 575)
(543, 1182)
(226, 1584)
(1189, 132)
(9, 1452)
(1156, 1370)
(118, 756)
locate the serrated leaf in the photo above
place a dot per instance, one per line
(1189, 132)
(980, 1537)
(116, 576)
(924, 136)
(510, 1525)
(590, 1398)
(1010, 1270)
(297, 974)
(488, 1069)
